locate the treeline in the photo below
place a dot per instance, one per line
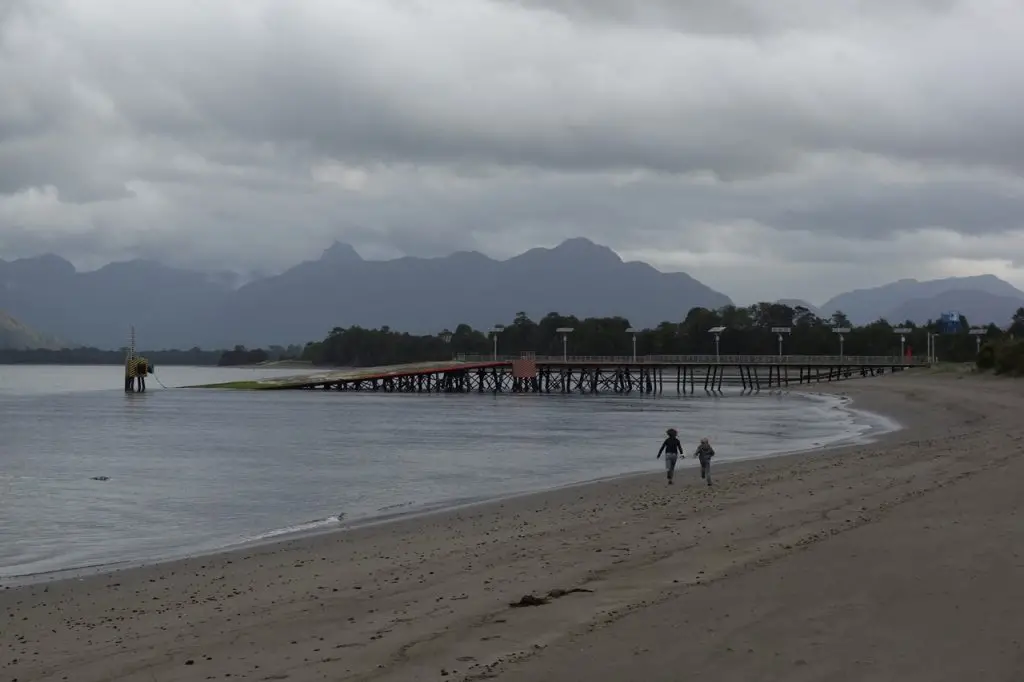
(748, 332)
(193, 357)
(1003, 356)
(98, 356)
(240, 355)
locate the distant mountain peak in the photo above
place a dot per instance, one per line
(48, 263)
(416, 295)
(469, 257)
(575, 249)
(584, 246)
(341, 252)
(865, 305)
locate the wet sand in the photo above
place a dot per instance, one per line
(898, 560)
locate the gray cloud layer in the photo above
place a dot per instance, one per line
(797, 147)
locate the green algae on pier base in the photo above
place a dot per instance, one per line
(297, 380)
(241, 385)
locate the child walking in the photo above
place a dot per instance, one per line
(704, 453)
(672, 449)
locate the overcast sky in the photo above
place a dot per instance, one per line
(792, 148)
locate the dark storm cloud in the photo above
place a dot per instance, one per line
(250, 134)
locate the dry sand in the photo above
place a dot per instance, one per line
(902, 560)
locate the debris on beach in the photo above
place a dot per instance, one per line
(556, 593)
(533, 600)
(529, 600)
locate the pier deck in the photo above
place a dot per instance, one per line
(649, 374)
(358, 374)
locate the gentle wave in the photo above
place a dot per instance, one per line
(297, 529)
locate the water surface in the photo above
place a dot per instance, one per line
(194, 470)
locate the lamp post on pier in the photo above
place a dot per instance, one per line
(977, 333)
(495, 330)
(633, 331)
(841, 331)
(717, 331)
(932, 354)
(565, 331)
(780, 331)
(903, 331)
(446, 336)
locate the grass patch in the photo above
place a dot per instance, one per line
(952, 368)
(237, 385)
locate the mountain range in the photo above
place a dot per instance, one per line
(15, 334)
(178, 308)
(981, 299)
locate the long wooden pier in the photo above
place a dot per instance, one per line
(651, 374)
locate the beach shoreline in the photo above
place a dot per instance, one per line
(673, 580)
(871, 428)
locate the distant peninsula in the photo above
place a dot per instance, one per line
(194, 357)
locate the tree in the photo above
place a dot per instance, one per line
(839, 319)
(1017, 324)
(748, 332)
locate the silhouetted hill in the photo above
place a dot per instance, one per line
(863, 306)
(180, 308)
(177, 308)
(17, 336)
(979, 307)
(426, 295)
(800, 303)
(169, 307)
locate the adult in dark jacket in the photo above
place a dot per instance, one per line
(672, 449)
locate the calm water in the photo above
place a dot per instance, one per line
(194, 470)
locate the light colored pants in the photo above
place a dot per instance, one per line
(670, 464)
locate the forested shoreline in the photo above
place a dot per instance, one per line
(193, 357)
(747, 331)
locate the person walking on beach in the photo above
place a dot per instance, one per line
(672, 449)
(704, 453)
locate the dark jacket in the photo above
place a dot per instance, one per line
(671, 446)
(705, 451)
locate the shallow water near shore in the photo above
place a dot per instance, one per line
(191, 471)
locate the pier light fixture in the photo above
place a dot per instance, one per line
(495, 330)
(780, 331)
(446, 337)
(717, 331)
(565, 331)
(903, 331)
(841, 331)
(634, 332)
(977, 333)
(931, 352)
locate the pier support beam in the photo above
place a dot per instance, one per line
(645, 378)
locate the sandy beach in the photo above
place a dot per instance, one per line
(900, 560)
